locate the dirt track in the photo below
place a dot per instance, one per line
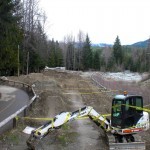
(61, 91)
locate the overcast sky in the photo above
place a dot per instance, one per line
(103, 20)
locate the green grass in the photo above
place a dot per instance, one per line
(67, 137)
(10, 137)
(65, 127)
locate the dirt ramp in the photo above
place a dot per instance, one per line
(55, 105)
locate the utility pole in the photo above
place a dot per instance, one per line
(27, 62)
(18, 63)
(147, 56)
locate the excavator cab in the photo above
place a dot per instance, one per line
(125, 111)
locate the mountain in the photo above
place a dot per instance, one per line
(141, 44)
(102, 45)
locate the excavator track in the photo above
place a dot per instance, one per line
(137, 145)
(127, 146)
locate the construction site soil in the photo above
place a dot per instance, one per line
(63, 91)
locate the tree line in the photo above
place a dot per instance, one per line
(25, 47)
(129, 58)
(81, 55)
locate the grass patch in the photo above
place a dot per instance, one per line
(68, 137)
(10, 137)
(13, 136)
(65, 127)
(13, 139)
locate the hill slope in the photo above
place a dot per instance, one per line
(140, 44)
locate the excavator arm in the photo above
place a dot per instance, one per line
(65, 117)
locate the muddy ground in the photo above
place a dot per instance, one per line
(62, 91)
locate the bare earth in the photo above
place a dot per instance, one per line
(62, 91)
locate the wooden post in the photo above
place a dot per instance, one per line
(18, 63)
(25, 112)
(27, 62)
(14, 123)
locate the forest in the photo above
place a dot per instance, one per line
(26, 48)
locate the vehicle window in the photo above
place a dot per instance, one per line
(117, 108)
(127, 105)
(129, 102)
(139, 104)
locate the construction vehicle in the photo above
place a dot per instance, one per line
(127, 119)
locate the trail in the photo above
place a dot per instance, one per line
(89, 133)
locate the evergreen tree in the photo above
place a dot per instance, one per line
(36, 63)
(87, 54)
(117, 51)
(59, 55)
(148, 56)
(110, 64)
(55, 55)
(96, 60)
(10, 36)
(52, 56)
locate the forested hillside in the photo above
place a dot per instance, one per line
(25, 47)
(141, 44)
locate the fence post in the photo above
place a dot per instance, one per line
(25, 112)
(14, 122)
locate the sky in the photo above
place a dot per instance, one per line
(103, 20)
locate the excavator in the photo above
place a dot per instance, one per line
(127, 118)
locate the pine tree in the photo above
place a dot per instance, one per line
(110, 64)
(59, 55)
(148, 56)
(87, 54)
(117, 51)
(10, 36)
(52, 57)
(96, 60)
